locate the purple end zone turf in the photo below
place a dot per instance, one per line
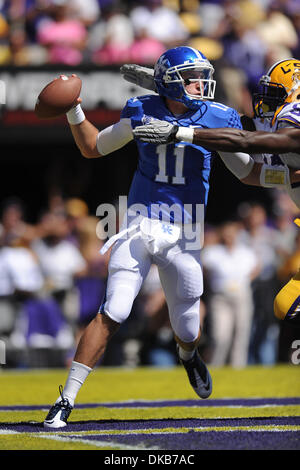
(167, 403)
(206, 439)
(240, 440)
(121, 425)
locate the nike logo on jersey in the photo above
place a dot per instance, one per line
(147, 119)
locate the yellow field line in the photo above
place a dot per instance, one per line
(267, 427)
(272, 428)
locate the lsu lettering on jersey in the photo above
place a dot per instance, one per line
(174, 174)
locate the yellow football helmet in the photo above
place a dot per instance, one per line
(280, 85)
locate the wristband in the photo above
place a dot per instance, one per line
(186, 134)
(75, 115)
(272, 176)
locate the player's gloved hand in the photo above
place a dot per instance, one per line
(156, 132)
(141, 76)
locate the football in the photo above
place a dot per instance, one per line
(58, 97)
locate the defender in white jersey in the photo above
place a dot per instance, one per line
(272, 139)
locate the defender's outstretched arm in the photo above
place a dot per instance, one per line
(228, 139)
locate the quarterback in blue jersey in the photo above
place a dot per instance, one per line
(176, 173)
(169, 185)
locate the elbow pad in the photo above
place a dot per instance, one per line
(114, 137)
(274, 176)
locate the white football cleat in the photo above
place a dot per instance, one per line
(58, 413)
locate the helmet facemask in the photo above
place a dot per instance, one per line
(174, 81)
(295, 90)
(271, 95)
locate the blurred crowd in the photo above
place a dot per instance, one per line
(53, 278)
(248, 35)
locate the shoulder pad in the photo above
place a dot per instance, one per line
(142, 99)
(137, 106)
(224, 115)
(288, 115)
(218, 109)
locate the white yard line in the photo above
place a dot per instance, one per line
(95, 443)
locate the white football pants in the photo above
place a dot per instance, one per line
(180, 275)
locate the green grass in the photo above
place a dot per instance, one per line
(40, 387)
(117, 384)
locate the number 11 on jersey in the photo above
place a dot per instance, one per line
(162, 176)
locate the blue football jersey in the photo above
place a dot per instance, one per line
(177, 173)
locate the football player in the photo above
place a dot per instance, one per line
(275, 143)
(287, 301)
(175, 177)
(275, 134)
